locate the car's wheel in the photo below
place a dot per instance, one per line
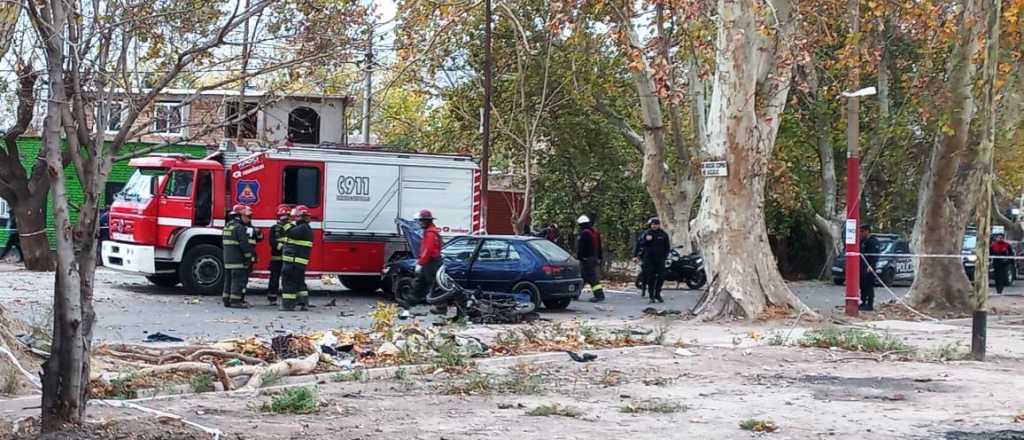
(697, 281)
(405, 292)
(164, 280)
(888, 277)
(529, 289)
(202, 270)
(838, 281)
(361, 284)
(557, 304)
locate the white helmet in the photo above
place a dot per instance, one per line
(583, 219)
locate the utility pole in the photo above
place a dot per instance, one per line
(368, 91)
(852, 240)
(979, 321)
(485, 159)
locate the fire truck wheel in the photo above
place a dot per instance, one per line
(529, 289)
(202, 271)
(362, 284)
(164, 280)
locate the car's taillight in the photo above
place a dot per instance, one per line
(550, 270)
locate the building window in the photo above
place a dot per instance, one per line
(248, 121)
(301, 186)
(168, 118)
(304, 126)
(180, 184)
(115, 114)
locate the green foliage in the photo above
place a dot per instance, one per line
(853, 339)
(202, 383)
(303, 400)
(356, 375)
(553, 410)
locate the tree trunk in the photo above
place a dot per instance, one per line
(66, 372)
(749, 93)
(949, 185)
(35, 247)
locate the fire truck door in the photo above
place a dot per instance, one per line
(176, 204)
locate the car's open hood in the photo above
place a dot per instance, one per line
(413, 233)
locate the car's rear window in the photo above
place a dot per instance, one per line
(550, 251)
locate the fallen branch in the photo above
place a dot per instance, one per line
(287, 367)
(225, 355)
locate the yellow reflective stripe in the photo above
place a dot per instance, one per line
(303, 293)
(304, 243)
(597, 287)
(235, 266)
(298, 260)
(289, 296)
(252, 242)
(231, 241)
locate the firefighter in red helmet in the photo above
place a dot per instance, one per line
(278, 236)
(239, 245)
(429, 260)
(298, 246)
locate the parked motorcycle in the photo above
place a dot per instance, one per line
(687, 269)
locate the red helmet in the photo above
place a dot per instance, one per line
(300, 211)
(241, 209)
(283, 210)
(424, 215)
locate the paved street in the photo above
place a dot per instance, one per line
(128, 307)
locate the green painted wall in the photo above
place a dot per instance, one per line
(29, 149)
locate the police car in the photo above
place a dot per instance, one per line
(893, 265)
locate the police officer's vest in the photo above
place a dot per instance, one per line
(298, 244)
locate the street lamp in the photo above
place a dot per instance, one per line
(852, 238)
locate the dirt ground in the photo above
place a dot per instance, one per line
(641, 393)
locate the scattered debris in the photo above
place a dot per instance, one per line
(684, 352)
(1019, 418)
(652, 406)
(160, 337)
(666, 312)
(756, 425)
(504, 405)
(585, 357)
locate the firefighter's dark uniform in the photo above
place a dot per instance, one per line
(278, 234)
(298, 246)
(653, 249)
(239, 254)
(588, 251)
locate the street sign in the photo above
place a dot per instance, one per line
(851, 231)
(999, 229)
(714, 169)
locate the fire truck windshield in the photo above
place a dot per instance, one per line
(142, 185)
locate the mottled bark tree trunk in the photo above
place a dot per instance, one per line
(950, 183)
(750, 88)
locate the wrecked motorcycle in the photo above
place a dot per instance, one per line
(482, 307)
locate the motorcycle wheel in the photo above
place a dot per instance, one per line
(697, 281)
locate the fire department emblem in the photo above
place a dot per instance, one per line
(248, 192)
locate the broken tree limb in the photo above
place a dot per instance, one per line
(222, 376)
(287, 367)
(225, 355)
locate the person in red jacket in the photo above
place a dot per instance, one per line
(1002, 265)
(429, 260)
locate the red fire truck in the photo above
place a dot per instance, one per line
(166, 222)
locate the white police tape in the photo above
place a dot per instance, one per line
(894, 296)
(961, 256)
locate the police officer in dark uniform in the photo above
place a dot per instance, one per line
(869, 249)
(239, 255)
(298, 246)
(653, 249)
(277, 236)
